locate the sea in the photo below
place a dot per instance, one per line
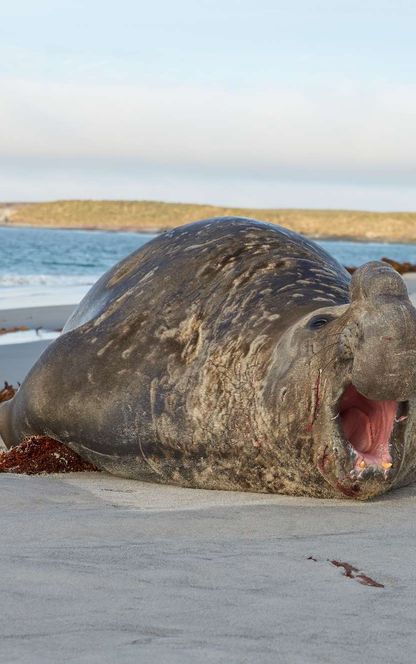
(66, 258)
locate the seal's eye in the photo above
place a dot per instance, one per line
(318, 321)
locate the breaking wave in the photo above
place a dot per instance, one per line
(13, 280)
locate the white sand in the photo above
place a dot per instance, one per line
(171, 579)
(28, 336)
(42, 309)
(22, 297)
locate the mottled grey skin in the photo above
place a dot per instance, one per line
(193, 362)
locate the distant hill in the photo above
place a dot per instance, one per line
(154, 216)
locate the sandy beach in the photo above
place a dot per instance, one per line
(98, 565)
(43, 313)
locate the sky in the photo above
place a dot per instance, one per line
(261, 103)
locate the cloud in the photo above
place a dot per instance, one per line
(317, 146)
(343, 133)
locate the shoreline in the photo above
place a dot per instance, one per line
(101, 229)
(153, 217)
(156, 231)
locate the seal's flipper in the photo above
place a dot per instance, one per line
(5, 434)
(2, 425)
(36, 406)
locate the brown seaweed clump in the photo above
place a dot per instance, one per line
(16, 328)
(7, 392)
(401, 268)
(39, 454)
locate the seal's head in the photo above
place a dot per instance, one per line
(345, 412)
(362, 414)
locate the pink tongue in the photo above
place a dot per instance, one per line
(368, 424)
(357, 429)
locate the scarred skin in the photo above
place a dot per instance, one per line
(195, 361)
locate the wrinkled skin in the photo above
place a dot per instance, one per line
(233, 354)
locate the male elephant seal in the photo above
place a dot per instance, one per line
(234, 354)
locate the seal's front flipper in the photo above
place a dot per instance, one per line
(5, 433)
(36, 404)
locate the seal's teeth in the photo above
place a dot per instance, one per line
(362, 463)
(386, 465)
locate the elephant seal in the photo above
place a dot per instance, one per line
(234, 354)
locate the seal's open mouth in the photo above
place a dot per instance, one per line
(368, 444)
(368, 425)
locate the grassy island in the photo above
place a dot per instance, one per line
(149, 216)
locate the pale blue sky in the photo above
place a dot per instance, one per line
(300, 104)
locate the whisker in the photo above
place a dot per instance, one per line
(327, 364)
(324, 348)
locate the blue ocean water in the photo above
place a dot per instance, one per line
(39, 256)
